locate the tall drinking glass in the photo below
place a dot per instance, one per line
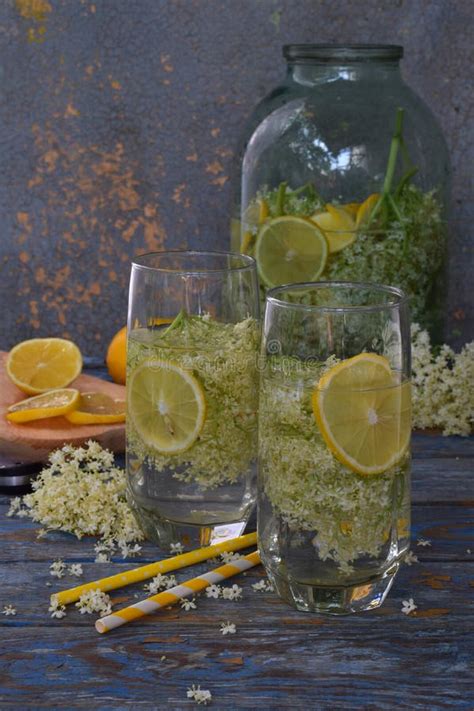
(192, 392)
(334, 443)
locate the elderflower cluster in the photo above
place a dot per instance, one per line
(160, 582)
(200, 696)
(443, 392)
(226, 593)
(80, 491)
(222, 357)
(94, 601)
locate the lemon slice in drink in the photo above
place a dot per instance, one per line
(290, 249)
(50, 404)
(366, 208)
(166, 404)
(338, 226)
(364, 413)
(42, 364)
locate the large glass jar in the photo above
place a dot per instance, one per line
(345, 177)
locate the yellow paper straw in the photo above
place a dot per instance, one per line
(145, 572)
(174, 595)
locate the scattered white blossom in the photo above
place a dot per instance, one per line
(263, 586)
(176, 548)
(228, 628)
(127, 550)
(410, 558)
(162, 659)
(70, 492)
(188, 604)
(56, 610)
(159, 582)
(214, 591)
(58, 569)
(8, 610)
(468, 550)
(233, 593)
(423, 542)
(102, 558)
(200, 696)
(408, 606)
(94, 601)
(230, 556)
(75, 569)
(41, 533)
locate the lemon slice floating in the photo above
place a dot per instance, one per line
(364, 413)
(50, 404)
(43, 364)
(166, 404)
(97, 408)
(290, 249)
(338, 226)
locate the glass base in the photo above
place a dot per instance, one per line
(164, 532)
(335, 600)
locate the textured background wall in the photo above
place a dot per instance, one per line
(118, 121)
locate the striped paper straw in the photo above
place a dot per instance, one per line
(145, 572)
(174, 595)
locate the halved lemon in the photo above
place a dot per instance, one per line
(338, 226)
(50, 404)
(96, 409)
(365, 210)
(166, 404)
(42, 364)
(364, 413)
(290, 249)
(351, 208)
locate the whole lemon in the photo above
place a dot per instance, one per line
(116, 358)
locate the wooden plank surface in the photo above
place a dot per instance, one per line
(279, 658)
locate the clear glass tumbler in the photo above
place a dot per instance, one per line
(192, 394)
(334, 443)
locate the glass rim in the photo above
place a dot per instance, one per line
(247, 263)
(347, 52)
(400, 298)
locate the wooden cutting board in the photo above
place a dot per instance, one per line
(33, 441)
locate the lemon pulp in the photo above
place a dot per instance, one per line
(363, 411)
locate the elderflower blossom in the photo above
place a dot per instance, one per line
(408, 606)
(442, 391)
(159, 582)
(214, 591)
(75, 569)
(200, 696)
(58, 569)
(94, 601)
(423, 542)
(228, 628)
(232, 593)
(263, 586)
(8, 610)
(230, 557)
(176, 548)
(56, 609)
(80, 491)
(187, 604)
(410, 558)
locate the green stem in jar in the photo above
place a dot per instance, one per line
(405, 180)
(280, 200)
(178, 321)
(395, 145)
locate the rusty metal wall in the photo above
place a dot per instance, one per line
(118, 122)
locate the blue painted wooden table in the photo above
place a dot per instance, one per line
(278, 658)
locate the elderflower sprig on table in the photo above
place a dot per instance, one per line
(82, 492)
(200, 696)
(442, 392)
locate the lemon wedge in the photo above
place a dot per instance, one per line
(42, 364)
(338, 226)
(96, 409)
(365, 210)
(166, 404)
(50, 404)
(363, 412)
(290, 249)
